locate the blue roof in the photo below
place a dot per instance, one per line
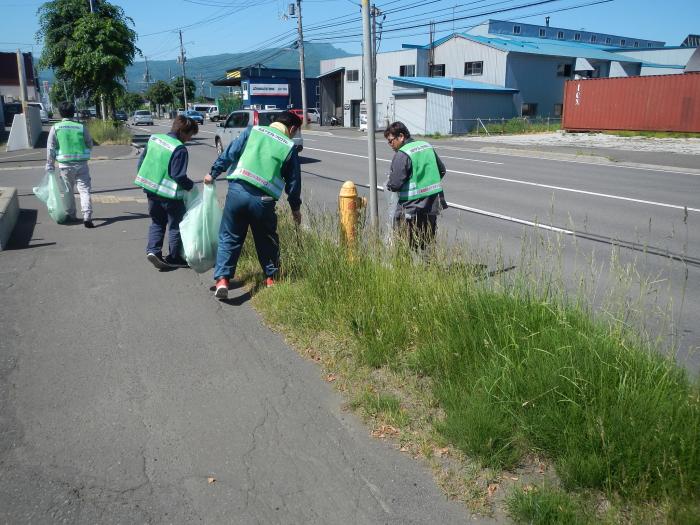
(663, 66)
(537, 46)
(540, 46)
(452, 84)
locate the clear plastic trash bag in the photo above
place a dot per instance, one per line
(54, 192)
(199, 229)
(391, 198)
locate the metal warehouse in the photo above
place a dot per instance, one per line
(446, 85)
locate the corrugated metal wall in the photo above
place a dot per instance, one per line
(455, 52)
(536, 78)
(410, 109)
(660, 103)
(470, 105)
(438, 112)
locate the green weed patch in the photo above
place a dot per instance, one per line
(514, 368)
(108, 132)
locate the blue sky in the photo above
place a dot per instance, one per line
(218, 26)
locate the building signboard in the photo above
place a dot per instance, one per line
(269, 90)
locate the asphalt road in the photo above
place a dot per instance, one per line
(123, 390)
(129, 395)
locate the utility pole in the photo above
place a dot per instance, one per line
(371, 118)
(182, 60)
(301, 66)
(146, 76)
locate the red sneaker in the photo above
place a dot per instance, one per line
(221, 288)
(269, 282)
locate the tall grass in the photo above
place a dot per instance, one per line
(108, 132)
(516, 365)
(521, 125)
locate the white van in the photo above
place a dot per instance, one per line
(210, 111)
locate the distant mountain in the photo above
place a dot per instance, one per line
(214, 67)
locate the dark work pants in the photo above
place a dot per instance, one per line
(165, 213)
(246, 206)
(420, 229)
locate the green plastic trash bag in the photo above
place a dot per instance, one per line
(54, 192)
(199, 230)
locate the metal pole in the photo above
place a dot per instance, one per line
(302, 73)
(182, 62)
(371, 118)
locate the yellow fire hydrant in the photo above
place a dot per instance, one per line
(349, 205)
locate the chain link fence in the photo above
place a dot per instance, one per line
(502, 126)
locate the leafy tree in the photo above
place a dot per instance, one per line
(160, 93)
(229, 103)
(129, 102)
(177, 90)
(92, 50)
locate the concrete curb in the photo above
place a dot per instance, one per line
(583, 159)
(9, 212)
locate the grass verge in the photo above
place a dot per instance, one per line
(517, 126)
(654, 134)
(108, 132)
(499, 370)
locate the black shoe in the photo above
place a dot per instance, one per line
(88, 224)
(176, 262)
(157, 260)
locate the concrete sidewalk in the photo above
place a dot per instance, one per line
(129, 395)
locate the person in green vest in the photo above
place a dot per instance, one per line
(162, 173)
(70, 144)
(261, 164)
(416, 175)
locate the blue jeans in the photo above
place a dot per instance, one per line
(246, 206)
(165, 212)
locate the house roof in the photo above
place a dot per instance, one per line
(335, 70)
(452, 84)
(540, 46)
(563, 48)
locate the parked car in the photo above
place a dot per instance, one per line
(194, 115)
(210, 111)
(43, 114)
(239, 120)
(142, 117)
(120, 115)
(83, 114)
(313, 115)
(298, 112)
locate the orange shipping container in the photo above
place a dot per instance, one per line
(654, 103)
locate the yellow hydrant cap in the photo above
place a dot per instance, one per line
(348, 189)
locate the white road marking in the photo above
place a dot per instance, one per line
(641, 168)
(22, 155)
(537, 184)
(471, 160)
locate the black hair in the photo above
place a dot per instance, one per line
(289, 119)
(397, 128)
(182, 124)
(66, 109)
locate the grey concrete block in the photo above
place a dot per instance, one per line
(9, 211)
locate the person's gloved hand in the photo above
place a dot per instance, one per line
(296, 215)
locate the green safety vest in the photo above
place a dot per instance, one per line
(71, 142)
(261, 163)
(153, 174)
(425, 176)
